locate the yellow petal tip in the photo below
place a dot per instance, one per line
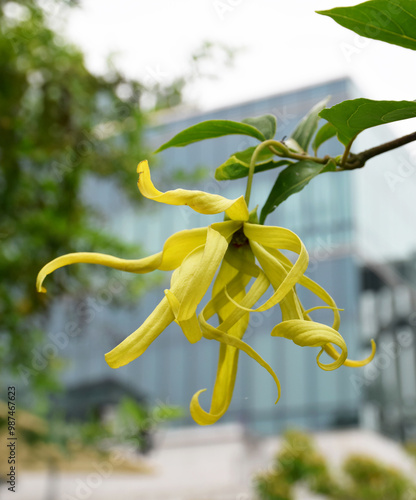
(141, 165)
(110, 362)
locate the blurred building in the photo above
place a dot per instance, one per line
(358, 228)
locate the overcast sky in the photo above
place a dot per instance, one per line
(287, 45)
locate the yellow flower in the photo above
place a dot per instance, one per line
(231, 248)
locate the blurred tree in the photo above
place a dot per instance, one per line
(58, 124)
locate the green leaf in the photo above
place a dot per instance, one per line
(307, 126)
(290, 181)
(266, 124)
(325, 133)
(238, 165)
(386, 20)
(352, 117)
(209, 130)
(293, 146)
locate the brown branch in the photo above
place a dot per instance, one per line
(359, 160)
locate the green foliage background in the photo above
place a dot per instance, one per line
(59, 123)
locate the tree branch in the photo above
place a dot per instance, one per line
(358, 160)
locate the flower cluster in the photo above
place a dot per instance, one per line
(245, 259)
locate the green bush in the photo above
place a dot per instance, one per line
(298, 462)
(372, 480)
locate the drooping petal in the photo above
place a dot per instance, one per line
(331, 351)
(311, 285)
(190, 327)
(196, 281)
(283, 286)
(220, 333)
(232, 273)
(175, 249)
(212, 333)
(275, 271)
(136, 343)
(189, 284)
(277, 237)
(228, 355)
(311, 334)
(326, 297)
(191, 280)
(199, 201)
(230, 283)
(256, 291)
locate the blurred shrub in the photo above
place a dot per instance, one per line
(299, 463)
(273, 486)
(372, 480)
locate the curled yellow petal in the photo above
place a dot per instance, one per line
(228, 276)
(331, 351)
(199, 201)
(312, 286)
(175, 249)
(145, 265)
(311, 334)
(277, 237)
(326, 297)
(317, 308)
(282, 282)
(213, 333)
(197, 276)
(223, 387)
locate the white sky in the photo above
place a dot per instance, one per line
(286, 44)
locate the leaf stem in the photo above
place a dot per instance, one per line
(347, 152)
(269, 143)
(279, 149)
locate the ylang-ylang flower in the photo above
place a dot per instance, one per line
(244, 259)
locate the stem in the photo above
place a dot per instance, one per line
(253, 162)
(359, 160)
(347, 151)
(279, 149)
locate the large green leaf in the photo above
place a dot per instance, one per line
(266, 124)
(392, 21)
(307, 126)
(209, 130)
(325, 133)
(238, 165)
(352, 117)
(290, 181)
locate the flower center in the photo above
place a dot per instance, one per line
(239, 238)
